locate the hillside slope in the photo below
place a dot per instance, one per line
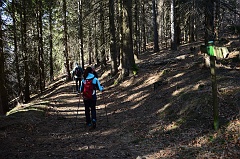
(163, 112)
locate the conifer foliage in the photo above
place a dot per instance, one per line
(42, 39)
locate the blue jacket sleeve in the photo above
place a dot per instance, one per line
(100, 88)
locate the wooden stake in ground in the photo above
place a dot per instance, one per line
(210, 51)
(214, 92)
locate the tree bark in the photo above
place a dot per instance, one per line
(16, 48)
(113, 49)
(51, 42)
(128, 56)
(102, 38)
(3, 92)
(96, 47)
(173, 28)
(209, 21)
(217, 19)
(143, 28)
(136, 29)
(23, 18)
(155, 27)
(121, 61)
(40, 48)
(90, 45)
(80, 36)
(66, 40)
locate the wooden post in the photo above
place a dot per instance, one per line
(214, 93)
(212, 54)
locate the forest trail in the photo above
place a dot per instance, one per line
(172, 121)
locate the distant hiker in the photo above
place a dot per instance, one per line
(77, 73)
(88, 87)
(94, 71)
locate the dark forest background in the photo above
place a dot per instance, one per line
(41, 40)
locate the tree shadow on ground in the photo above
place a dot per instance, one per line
(171, 120)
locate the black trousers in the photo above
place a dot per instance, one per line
(90, 106)
(78, 83)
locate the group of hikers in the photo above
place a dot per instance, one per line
(87, 84)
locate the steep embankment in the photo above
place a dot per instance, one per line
(163, 112)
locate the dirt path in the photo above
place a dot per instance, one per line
(172, 121)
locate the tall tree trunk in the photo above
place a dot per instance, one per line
(16, 49)
(121, 61)
(160, 20)
(23, 18)
(191, 25)
(40, 47)
(102, 38)
(125, 31)
(209, 21)
(113, 49)
(209, 37)
(217, 18)
(165, 25)
(130, 35)
(95, 57)
(178, 23)
(51, 42)
(155, 27)
(80, 34)
(136, 29)
(90, 45)
(143, 35)
(3, 92)
(66, 40)
(173, 30)
(128, 56)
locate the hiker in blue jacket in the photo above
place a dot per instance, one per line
(90, 84)
(94, 71)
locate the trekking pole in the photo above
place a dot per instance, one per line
(104, 100)
(78, 108)
(73, 85)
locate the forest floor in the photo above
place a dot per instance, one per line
(165, 111)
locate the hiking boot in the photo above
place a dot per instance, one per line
(94, 123)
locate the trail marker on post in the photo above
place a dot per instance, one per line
(211, 53)
(218, 52)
